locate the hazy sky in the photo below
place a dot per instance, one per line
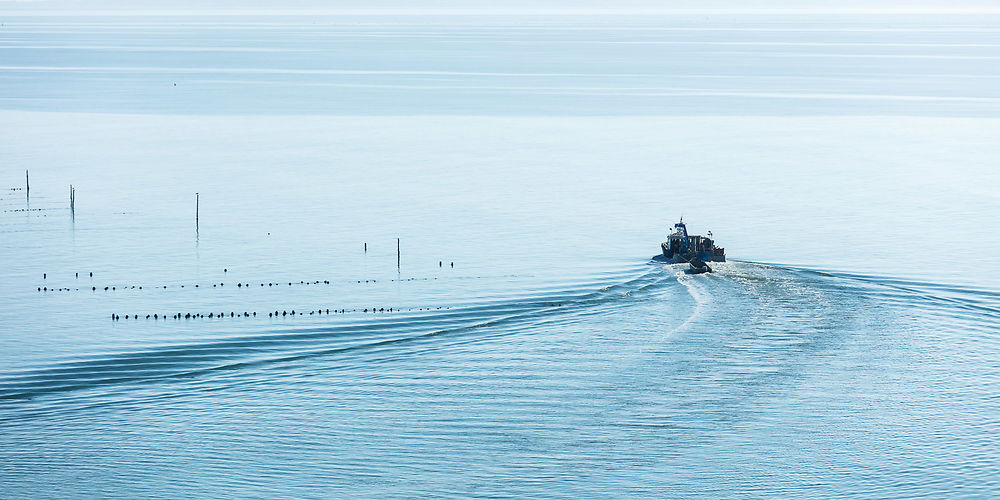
(496, 6)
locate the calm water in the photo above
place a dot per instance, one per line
(851, 348)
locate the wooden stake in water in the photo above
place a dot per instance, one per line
(397, 254)
(27, 185)
(197, 208)
(72, 201)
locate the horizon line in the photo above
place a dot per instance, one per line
(488, 12)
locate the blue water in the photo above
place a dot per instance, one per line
(850, 348)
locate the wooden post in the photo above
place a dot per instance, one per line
(27, 185)
(397, 254)
(197, 208)
(72, 201)
(366, 247)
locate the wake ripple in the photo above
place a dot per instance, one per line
(766, 288)
(294, 344)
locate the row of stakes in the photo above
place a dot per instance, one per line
(214, 285)
(225, 270)
(275, 314)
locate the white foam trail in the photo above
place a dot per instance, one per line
(701, 300)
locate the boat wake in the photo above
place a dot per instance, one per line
(338, 335)
(745, 311)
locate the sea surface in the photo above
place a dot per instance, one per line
(461, 212)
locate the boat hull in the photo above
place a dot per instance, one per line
(677, 258)
(698, 270)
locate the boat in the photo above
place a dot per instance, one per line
(682, 247)
(698, 266)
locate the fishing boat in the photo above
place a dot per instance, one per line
(682, 247)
